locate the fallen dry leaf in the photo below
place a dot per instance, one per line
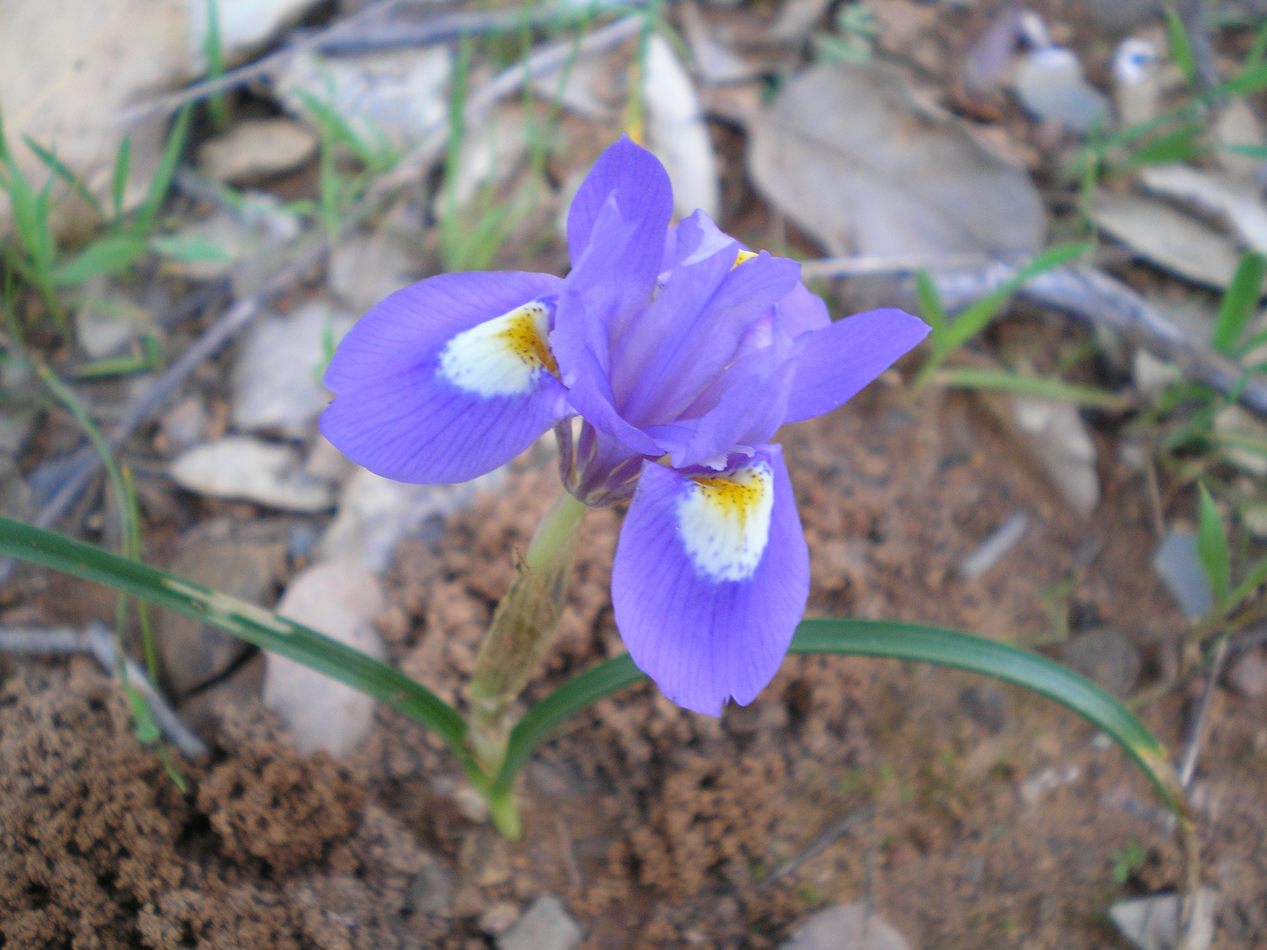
(847, 154)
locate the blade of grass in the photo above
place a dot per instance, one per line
(1212, 549)
(1239, 303)
(893, 641)
(1181, 47)
(107, 255)
(119, 178)
(251, 623)
(1057, 390)
(162, 180)
(73, 181)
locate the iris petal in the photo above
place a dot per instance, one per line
(447, 379)
(837, 361)
(710, 579)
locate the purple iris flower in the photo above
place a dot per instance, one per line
(666, 360)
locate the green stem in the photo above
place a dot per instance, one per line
(522, 630)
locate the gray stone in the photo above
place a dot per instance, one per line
(251, 470)
(341, 600)
(276, 382)
(108, 322)
(1107, 656)
(431, 890)
(190, 653)
(256, 149)
(1177, 564)
(365, 268)
(1248, 674)
(846, 927)
(1056, 437)
(1152, 923)
(546, 926)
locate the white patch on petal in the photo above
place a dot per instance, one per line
(724, 521)
(503, 356)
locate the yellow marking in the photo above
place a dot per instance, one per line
(523, 337)
(723, 521)
(743, 257)
(731, 498)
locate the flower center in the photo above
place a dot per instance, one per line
(504, 356)
(724, 521)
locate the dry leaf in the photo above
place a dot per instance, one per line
(1207, 193)
(846, 153)
(676, 130)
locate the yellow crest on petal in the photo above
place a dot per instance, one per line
(724, 521)
(503, 356)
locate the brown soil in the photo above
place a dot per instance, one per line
(656, 826)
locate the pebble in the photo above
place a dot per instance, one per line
(1152, 923)
(498, 918)
(1107, 656)
(1057, 438)
(365, 268)
(1177, 564)
(1248, 674)
(256, 149)
(546, 926)
(431, 890)
(108, 322)
(846, 925)
(276, 383)
(190, 653)
(339, 599)
(252, 470)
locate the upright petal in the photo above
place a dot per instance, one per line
(448, 378)
(839, 360)
(642, 191)
(710, 578)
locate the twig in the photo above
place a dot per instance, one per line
(1083, 292)
(833, 831)
(98, 642)
(1196, 734)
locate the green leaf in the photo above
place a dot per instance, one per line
(1253, 151)
(162, 180)
(144, 726)
(1212, 547)
(119, 180)
(1250, 583)
(109, 255)
(896, 641)
(1239, 303)
(1181, 48)
(1246, 81)
(1057, 390)
(178, 248)
(73, 181)
(930, 307)
(251, 623)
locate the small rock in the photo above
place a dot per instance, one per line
(238, 244)
(1057, 438)
(499, 918)
(208, 708)
(184, 425)
(431, 890)
(1248, 674)
(1035, 787)
(1254, 517)
(846, 925)
(395, 97)
(1106, 656)
(1152, 923)
(995, 546)
(1177, 564)
(276, 384)
(252, 470)
(1052, 87)
(191, 653)
(108, 322)
(339, 599)
(256, 149)
(546, 926)
(1153, 376)
(375, 513)
(985, 705)
(365, 268)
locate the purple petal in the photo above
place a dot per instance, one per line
(704, 616)
(839, 360)
(802, 311)
(411, 403)
(642, 191)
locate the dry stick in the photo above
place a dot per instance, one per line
(98, 642)
(1196, 733)
(835, 830)
(1083, 292)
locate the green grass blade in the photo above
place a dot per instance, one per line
(1239, 303)
(1212, 547)
(251, 623)
(119, 178)
(162, 180)
(896, 641)
(931, 309)
(73, 181)
(1181, 47)
(109, 255)
(1057, 390)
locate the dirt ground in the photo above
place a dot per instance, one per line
(966, 813)
(978, 816)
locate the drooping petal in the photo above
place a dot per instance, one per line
(642, 192)
(447, 379)
(839, 360)
(710, 579)
(802, 311)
